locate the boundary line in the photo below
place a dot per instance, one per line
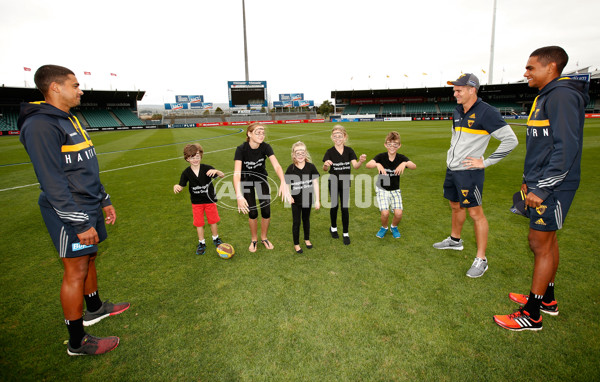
(168, 159)
(143, 148)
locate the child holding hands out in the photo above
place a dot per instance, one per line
(390, 166)
(202, 193)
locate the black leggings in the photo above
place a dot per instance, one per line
(339, 189)
(264, 197)
(298, 212)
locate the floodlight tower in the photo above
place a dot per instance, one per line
(491, 68)
(245, 42)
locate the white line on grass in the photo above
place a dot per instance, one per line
(238, 130)
(165, 160)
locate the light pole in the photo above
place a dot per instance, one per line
(245, 42)
(491, 68)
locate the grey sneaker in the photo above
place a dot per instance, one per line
(107, 309)
(478, 268)
(448, 243)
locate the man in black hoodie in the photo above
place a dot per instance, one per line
(72, 200)
(551, 176)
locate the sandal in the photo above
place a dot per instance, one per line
(267, 244)
(252, 247)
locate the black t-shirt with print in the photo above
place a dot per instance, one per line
(390, 181)
(201, 187)
(301, 183)
(253, 160)
(342, 163)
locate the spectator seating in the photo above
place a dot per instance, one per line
(8, 121)
(506, 107)
(591, 105)
(420, 108)
(370, 109)
(99, 118)
(128, 117)
(351, 109)
(393, 108)
(447, 107)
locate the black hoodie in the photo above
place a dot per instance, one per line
(555, 137)
(65, 163)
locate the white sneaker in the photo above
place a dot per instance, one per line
(478, 268)
(448, 243)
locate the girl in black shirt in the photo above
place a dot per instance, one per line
(338, 160)
(250, 182)
(303, 178)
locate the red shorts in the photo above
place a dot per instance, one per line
(212, 215)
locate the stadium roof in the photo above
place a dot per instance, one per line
(520, 90)
(445, 91)
(10, 96)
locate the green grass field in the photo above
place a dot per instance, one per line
(377, 310)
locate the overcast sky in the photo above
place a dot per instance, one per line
(310, 46)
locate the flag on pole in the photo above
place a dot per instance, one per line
(26, 69)
(87, 73)
(113, 74)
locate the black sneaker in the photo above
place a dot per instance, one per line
(521, 299)
(217, 241)
(201, 249)
(107, 309)
(334, 234)
(91, 345)
(346, 240)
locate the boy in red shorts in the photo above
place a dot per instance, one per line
(202, 193)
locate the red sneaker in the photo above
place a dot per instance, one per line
(521, 299)
(519, 320)
(91, 345)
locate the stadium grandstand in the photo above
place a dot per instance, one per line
(98, 108)
(513, 99)
(116, 110)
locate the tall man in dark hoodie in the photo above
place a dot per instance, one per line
(71, 201)
(550, 178)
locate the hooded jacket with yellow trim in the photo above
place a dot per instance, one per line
(65, 163)
(555, 137)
